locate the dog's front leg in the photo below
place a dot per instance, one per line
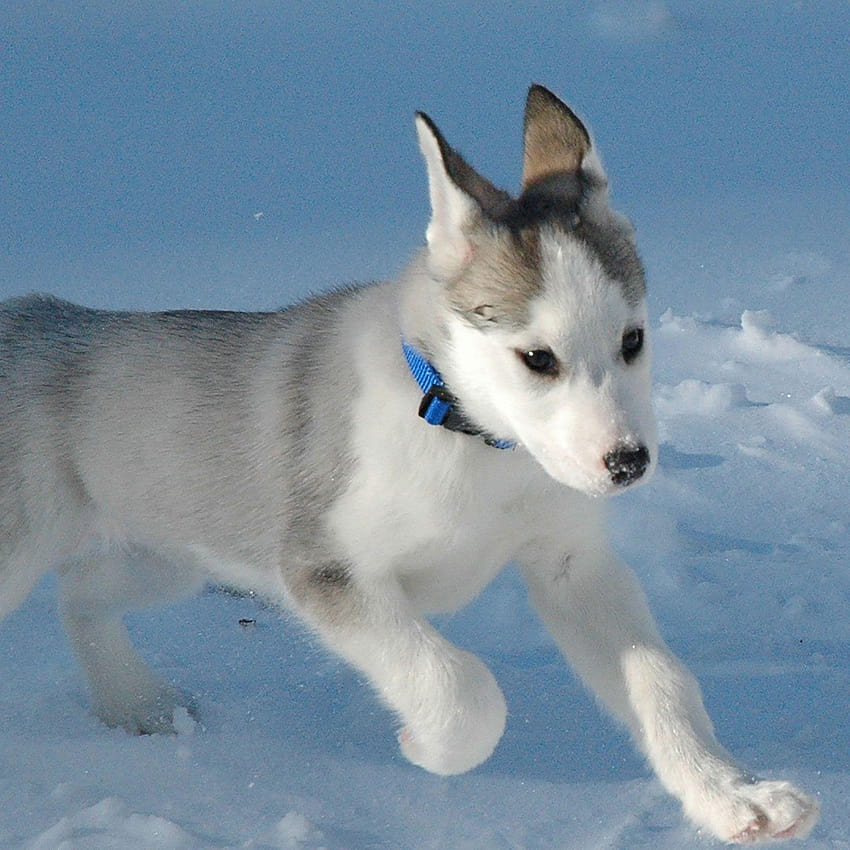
(452, 710)
(596, 611)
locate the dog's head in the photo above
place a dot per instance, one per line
(544, 328)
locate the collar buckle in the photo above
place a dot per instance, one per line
(439, 406)
(436, 404)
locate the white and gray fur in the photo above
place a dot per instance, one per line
(281, 453)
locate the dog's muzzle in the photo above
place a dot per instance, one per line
(626, 464)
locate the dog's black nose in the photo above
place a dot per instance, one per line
(626, 464)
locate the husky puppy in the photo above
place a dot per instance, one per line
(371, 456)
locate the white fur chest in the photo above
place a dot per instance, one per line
(445, 515)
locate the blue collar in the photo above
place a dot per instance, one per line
(439, 406)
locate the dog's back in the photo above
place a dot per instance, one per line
(214, 414)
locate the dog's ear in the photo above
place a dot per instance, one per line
(460, 199)
(555, 141)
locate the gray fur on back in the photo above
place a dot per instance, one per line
(126, 413)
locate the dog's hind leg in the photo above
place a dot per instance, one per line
(96, 591)
(597, 613)
(451, 708)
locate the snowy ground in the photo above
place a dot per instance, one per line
(742, 539)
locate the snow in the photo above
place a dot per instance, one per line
(140, 143)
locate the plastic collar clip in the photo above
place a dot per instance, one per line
(439, 406)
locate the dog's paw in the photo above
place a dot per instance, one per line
(778, 812)
(160, 711)
(760, 812)
(453, 735)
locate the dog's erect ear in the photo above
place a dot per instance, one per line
(556, 142)
(460, 197)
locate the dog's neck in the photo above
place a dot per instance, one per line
(439, 406)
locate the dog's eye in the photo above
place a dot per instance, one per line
(540, 360)
(632, 344)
